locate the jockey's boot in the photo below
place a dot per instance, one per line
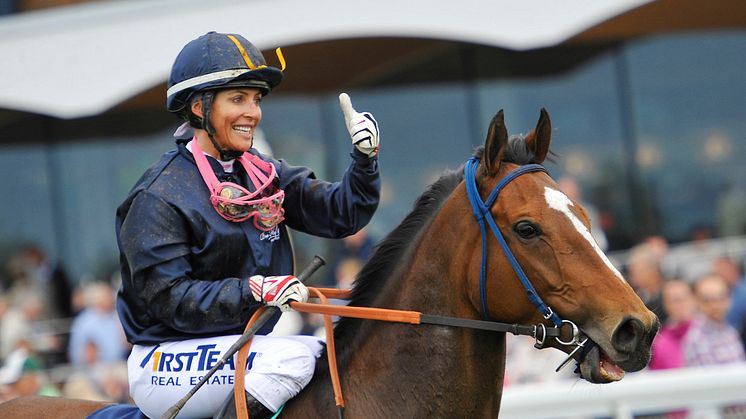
(256, 409)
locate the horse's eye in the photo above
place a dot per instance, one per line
(526, 229)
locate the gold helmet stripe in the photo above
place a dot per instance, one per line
(243, 52)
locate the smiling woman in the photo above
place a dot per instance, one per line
(204, 239)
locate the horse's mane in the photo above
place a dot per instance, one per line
(389, 252)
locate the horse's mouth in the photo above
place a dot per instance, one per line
(596, 366)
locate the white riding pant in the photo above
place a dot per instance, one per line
(277, 369)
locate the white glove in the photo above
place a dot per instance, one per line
(278, 291)
(363, 127)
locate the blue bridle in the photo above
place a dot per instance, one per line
(481, 213)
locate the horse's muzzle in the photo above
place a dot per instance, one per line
(630, 352)
(632, 341)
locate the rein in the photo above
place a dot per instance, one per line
(539, 332)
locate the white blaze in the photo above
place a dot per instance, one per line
(560, 202)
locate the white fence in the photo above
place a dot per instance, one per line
(701, 391)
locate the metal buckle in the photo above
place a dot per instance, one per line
(549, 314)
(574, 340)
(575, 335)
(539, 341)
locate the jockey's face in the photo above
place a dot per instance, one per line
(235, 115)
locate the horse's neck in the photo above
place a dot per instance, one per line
(400, 370)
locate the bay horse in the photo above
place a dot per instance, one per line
(528, 259)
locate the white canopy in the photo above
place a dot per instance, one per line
(81, 60)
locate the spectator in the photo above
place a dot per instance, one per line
(96, 335)
(346, 272)
(52, 279)
(728, 270)
(658, 246)
(645, 276)
(358, 246)
(736, 316)
(733, 275)
(19, 325)
(710, 339)
(679, 305)
(22, 375)
(102, 382)
(33, 270)
(693, 260)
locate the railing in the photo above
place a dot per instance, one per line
(701, 391)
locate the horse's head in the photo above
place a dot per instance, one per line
(549, 236)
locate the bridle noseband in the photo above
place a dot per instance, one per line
(481, 210)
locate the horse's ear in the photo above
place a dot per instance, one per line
(538, 140)
(494, 145)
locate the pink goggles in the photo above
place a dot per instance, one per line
(233, 202)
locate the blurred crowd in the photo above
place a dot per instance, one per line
(58, 339)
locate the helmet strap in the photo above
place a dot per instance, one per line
(225, 155)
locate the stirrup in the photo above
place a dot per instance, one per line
(256, 409)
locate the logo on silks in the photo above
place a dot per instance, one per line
(271, 235)
(200, 360)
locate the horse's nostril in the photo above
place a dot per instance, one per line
(627, 335)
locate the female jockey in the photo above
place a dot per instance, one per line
(204, 242)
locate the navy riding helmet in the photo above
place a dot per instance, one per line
(217, 61)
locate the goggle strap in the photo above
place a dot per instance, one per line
(252, 176)
(246, 161)
(204, 167)
(256, 174)
(258, 162)
(258, 178)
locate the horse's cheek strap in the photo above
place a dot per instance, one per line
(481, 211)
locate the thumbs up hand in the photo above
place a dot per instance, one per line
(363, 127)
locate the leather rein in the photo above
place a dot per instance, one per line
(539, 332)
